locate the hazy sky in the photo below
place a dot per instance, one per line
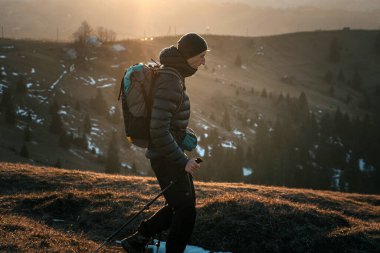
(135, 18)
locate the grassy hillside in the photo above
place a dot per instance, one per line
(44, 209)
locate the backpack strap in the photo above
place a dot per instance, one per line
(173, 71)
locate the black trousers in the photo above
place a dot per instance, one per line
(179, 213)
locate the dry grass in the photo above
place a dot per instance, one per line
(53, 210)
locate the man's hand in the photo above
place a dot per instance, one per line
(192, 166)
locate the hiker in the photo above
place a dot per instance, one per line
(168, 130)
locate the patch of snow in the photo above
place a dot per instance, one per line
(71, 53)
(118, 48)
(62, 112)
(244, 67)
(3, 57)
(228, 144)
(96, 131)
(90, 81)
(361, 165)
(42, 99)
(252, 131)
(9, 47)
(205, 135)
(238, 133)
(3, 71)
(336, 178)
(72, 68)
(204, 126)
(64, 92)
(33, 71)
(201, 151)
(28, 112)
(102, 79)
(92, 146)
(29, 85)
(105, 86)
(2, 87)
(112, 110)
(58, 80)
(247, 171)
(188, 249)
(115, 66)
(15, 74)
(126, 165)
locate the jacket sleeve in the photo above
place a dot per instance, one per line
(167, 98)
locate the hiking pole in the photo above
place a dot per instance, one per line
(134, 216)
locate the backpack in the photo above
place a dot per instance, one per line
(136, 93)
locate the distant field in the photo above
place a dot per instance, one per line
(45, 209)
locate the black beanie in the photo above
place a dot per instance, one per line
(191, 44)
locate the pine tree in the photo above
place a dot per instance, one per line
(54, 108)
(329, 76)
(64, 140)
(99, 103)
(238, 62)
(77, 106)
(357, 81)
(87, 124)
(56, 124)
(21, 86)
(377, 44)
(226, 121)
(24, 151)
(113, 161)
(58, 164)
(341, 77)
(264, 93)
(27, 134)
(335, 49)
(10, 113)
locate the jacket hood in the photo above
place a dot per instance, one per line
(171, 57)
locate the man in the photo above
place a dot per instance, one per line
(169, 138)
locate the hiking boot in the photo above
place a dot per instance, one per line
(135, 243)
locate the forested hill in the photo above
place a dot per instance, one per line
(295, 110)
(46, 209)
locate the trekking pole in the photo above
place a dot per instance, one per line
(134, 216)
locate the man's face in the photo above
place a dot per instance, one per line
(197, 60)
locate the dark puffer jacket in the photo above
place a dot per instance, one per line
(170, 111)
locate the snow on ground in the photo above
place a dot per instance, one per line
(33, 71)
(25, 112)
(29, 85)
(95, 130)
(3, 57)
(118, 48)
(91, 145)
(42, 99)
(2, 87)
(201, 151)
(58, 80)
(89, 81)
(9, 47)
(3, 73)
(239, 133)
(228, 144)
(105, 86)
(247, 171)
(189, 249)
